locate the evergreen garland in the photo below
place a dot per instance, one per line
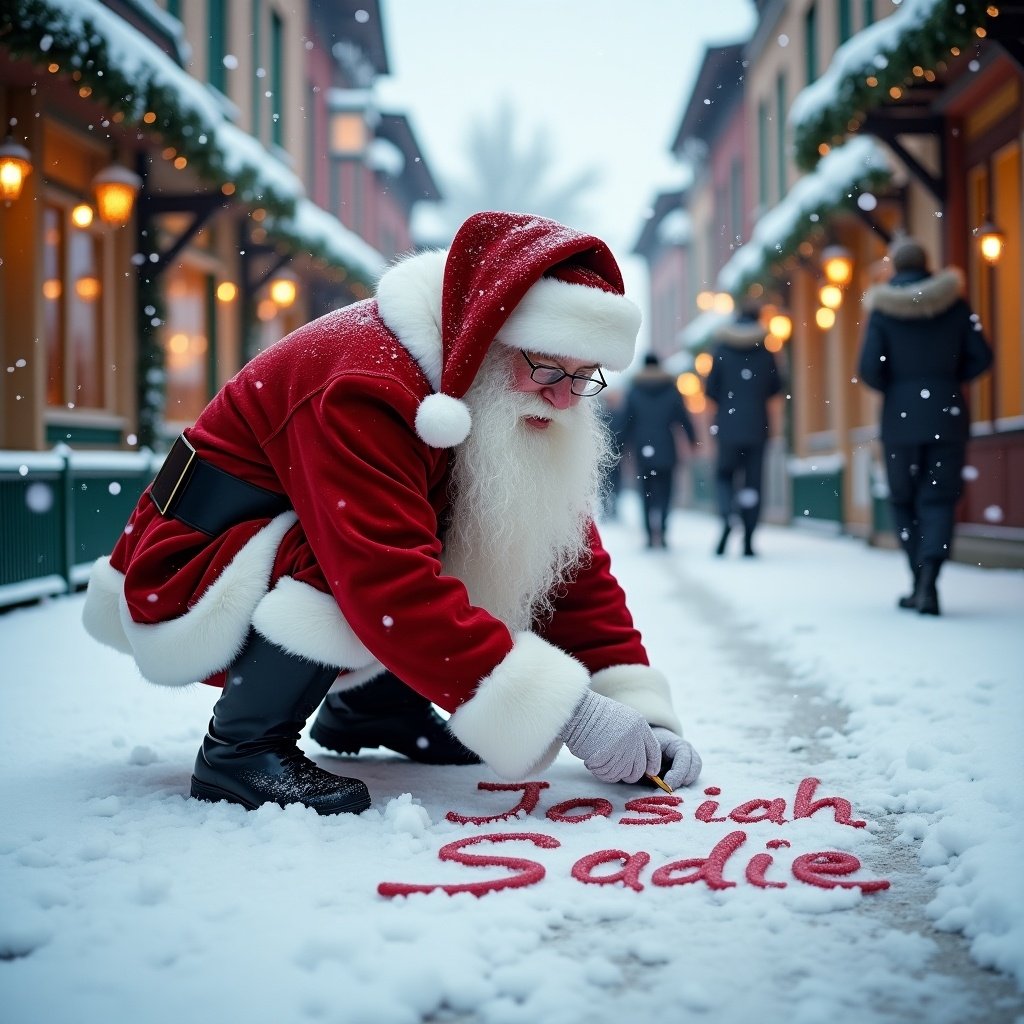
(950, 24)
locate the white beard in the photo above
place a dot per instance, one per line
(522, 498)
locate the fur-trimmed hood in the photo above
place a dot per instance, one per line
(739, 334)
(916, 297)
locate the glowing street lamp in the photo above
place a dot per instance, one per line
(831, 296)
(283, 290)
(781, 327)
(991, 242)
(115, 189)
(15, 167)
(837, 265)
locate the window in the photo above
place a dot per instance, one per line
(845, 20)
(74, 311)
(780, 132)
(736, 200)
(811, 42)
(257, 66)
(186, 344)
(216, 43)
(276, 79)
(762, 155)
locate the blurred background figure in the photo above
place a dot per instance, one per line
(743, 377)
(653, 417)
(921, 344)
(612, 411)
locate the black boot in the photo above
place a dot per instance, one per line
(723, 540)
(926, 596)
(386, 713)
(748, 544)
(249, 755)
(910, 601)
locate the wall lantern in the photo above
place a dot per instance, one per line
(837, 265)
(723, 303)
(15, 167)
(227, 291)
(991, 242)
(831, 296)
(81, 215)
(781, 326)
(353, 121)
(283, 290)
(825, 318)
(115, 189)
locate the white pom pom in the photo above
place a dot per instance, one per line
(442, 421)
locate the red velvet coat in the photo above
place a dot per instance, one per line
(352, 578)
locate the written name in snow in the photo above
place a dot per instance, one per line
(825, 869)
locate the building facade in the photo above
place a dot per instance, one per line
(184, 182)
(864, 121)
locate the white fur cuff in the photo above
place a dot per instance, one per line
(309, 624)
(641, 687)
(514, 718)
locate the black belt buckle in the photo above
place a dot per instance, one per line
(173, 475)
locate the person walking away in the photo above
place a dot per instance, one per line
(612, 406)
(743, 377)
(396, 501)
(653, 418)
(921, 344)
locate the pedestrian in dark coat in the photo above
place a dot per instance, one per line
(743, 377)
(922, 343)
(654, 414)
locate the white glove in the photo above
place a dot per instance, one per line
(686, 763)
(613, 741)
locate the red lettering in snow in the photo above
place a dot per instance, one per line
(804, 807)
(814, 869)
(531, 795)
(629, 873)
(599, 807)
(529, 871)
(707, 869)
(660, 806)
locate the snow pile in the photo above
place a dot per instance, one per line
(121, 899)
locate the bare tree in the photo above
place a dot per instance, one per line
(511, 174)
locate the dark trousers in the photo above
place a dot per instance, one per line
(925, 484)
(656, 489)
(738, 474)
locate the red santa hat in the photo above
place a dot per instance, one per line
(532, 284)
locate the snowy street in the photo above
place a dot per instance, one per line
(846, 744)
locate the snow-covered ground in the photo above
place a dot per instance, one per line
(120, 900)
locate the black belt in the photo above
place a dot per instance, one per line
(206, 498)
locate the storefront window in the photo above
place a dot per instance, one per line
(53, 304)
(186, 342)
(73, 312)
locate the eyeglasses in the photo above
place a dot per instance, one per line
(584, 385)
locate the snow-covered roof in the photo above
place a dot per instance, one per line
(327, 236)
(135, 76)
(836, 182)
(676, 228)
(918, 33)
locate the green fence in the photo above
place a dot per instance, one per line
(61, 510)
(817, 494)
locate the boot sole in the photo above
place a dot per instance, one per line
(214, 794)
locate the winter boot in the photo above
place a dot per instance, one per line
(926, 596)
(386, 713)
(249, 755)
(748, 544)
(723, 540)
(910, 601)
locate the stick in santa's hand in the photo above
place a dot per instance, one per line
(660, 783)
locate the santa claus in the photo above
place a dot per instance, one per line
(395, 502)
